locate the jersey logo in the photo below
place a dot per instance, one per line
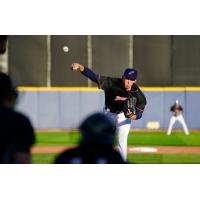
(118, 98)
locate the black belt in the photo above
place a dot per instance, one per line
(113, 110)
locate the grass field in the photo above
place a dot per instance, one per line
(136, 138)
(134, 158)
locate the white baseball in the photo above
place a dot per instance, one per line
(65, 48)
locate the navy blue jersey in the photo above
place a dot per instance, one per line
(176, 107)
(116, 94)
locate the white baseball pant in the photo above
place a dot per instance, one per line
(123, 126)
(181, 120)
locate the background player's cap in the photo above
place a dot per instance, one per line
(98, 129)
(130, 73)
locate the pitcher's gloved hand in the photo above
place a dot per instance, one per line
(129, 112)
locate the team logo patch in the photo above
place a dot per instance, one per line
(118, 98)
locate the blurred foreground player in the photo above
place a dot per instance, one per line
(96, 145)
(3, 43)
(177, 116)
(16, 131)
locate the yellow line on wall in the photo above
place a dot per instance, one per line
(192, 88)
(170, 89)
(58, 89)
(95, 89)
(157, 89)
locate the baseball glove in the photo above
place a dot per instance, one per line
(129, 107)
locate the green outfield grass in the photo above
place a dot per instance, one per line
(161, 139)
(134, 158)
(164, 158)
(47, 158)
(135, 138)
(57, 138)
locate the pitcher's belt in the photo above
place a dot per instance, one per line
(112, 110)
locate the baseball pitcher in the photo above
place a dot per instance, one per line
(124, 101)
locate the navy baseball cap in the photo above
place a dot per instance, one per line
(130, 73)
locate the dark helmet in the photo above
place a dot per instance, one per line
(98, 129)
(6, 86)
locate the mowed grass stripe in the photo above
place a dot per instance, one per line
(164, 159)
(133, 158)
(135, 138)
(161, 139)
(57, 138)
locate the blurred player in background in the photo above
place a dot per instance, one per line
(124, 101)
(96, 145)
(177, 116)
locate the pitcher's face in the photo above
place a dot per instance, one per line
(128, 83)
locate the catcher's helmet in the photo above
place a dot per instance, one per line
(98, 129)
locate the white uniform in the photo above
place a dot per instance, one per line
(123, 125)
(177, 117)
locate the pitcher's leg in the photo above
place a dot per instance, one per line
(123, 132)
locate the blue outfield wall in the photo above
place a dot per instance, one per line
(67, 107)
